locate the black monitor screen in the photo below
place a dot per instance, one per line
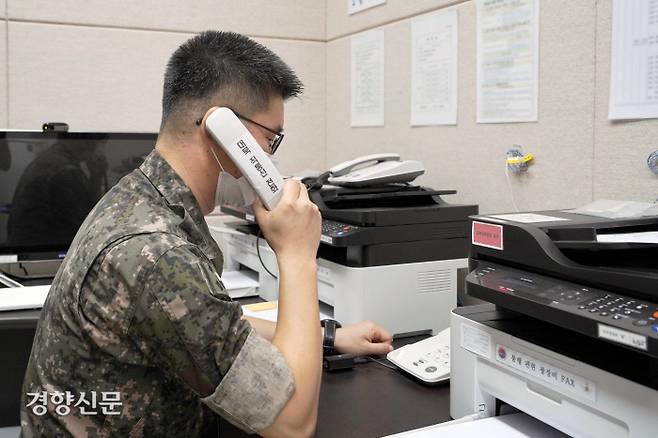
(49, 182)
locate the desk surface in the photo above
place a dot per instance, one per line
(367, 401)
(373, 401)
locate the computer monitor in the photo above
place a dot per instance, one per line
(50, 181)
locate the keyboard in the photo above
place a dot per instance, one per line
(427, 360)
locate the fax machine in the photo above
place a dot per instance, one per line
(388, 253)
(571, 334)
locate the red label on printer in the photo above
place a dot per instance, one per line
(487, 235)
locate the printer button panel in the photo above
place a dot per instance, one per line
(638, 313)
(598, 305)
(336, 229)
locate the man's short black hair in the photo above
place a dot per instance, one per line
(223, 68)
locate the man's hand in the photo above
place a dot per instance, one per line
(363, 339)
(293, 228)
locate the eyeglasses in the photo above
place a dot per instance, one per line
(273, 143)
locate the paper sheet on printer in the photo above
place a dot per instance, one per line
(507, 426)
(614, 209)
(644, 237)
(240, 283)
(652, 211)
(21, 298)
(528, 218)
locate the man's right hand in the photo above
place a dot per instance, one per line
(293, 228)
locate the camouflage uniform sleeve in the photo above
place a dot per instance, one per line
(186, 324)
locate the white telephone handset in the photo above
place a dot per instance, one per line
(243, 149)
(384, 169)
(346, 167)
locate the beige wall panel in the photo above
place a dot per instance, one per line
(621, 148)
(339, 23)
(280, 18)
(111, 79)
(3, 76)
(91, 78)
(470, 157)
(3, 8)
(304, 144)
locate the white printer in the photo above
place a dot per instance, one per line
(571, 334)
(497, 359)
(391, 254)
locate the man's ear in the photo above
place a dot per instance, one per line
(205, 117)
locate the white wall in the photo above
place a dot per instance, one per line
(98, 65)
(580, 155)
(287, 19)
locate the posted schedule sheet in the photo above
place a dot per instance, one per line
(634, 75)
(367, 78)
(507, 60)
(434, 69)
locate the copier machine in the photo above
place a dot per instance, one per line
(570, 331)
(388, 253)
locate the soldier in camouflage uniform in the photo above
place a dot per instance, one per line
(137, 336)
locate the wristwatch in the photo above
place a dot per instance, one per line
(330, 326)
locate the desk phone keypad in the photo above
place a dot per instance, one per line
(427, 360)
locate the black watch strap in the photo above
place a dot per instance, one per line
(330, 326)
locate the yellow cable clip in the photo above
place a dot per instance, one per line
(520, 160)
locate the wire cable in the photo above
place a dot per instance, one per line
(509, 185)
(384, 364)
(258, 236)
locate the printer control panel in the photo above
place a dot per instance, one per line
(591, 311)
(339, 234)
(332, 230)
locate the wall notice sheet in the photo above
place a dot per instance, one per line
(434, 69)
(634, 75)
(354, 6)
(367, 78)
(507, 60)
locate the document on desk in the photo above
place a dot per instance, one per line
(507, 426)
(367, 78)
(434, 69)
(507, 60)
(634, 65)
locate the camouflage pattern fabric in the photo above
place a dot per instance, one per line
(138, 308)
